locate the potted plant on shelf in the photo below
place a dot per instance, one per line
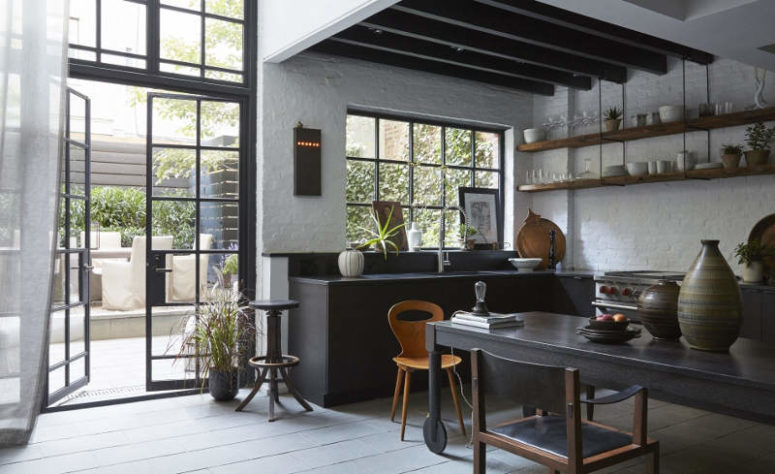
(613, 117)
(751, 256)
(758, 138)
(730, 156)
(466, 232)
(219, 334)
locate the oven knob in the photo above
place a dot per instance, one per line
(626, 292)
(604, 290)
(612, 290)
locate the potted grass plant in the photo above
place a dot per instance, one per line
(382, 238)
(730, 156)
(613, 118)
(751, 256)
(758, 138)
(219, 334)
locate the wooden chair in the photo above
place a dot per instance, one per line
(410, 332)
(586, 447)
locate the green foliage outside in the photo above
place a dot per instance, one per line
(429, 181)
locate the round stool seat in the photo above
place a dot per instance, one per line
(260, 362)
(274, 305)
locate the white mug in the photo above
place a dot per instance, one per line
(652, 167)
(664, 166)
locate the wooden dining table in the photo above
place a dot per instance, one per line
(740, 382)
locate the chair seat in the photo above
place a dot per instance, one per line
(548, 433)
(421, 363)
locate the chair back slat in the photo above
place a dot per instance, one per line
(536, 385)
(410, 330)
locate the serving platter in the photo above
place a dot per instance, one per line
(533, 239)
(764, 232)
(609, 337)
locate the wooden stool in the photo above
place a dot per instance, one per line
(274, 361)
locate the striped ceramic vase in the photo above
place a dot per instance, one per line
(351, 263)
(709, 304)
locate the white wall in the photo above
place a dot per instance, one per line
(291, 27)
(657, 225)
(317, 90)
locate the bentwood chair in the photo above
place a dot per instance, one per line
(560, 440)
(407, 320)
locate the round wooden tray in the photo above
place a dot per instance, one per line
(533, 239)
(764, 232)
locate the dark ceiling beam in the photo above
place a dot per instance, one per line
(426, 29)
(368, 37)
(565, 18)
(469, 14)
(338, 48)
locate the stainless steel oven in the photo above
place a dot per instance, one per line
(618, 292)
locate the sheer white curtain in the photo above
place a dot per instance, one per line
(32, 68)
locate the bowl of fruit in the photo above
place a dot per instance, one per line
(609, 322)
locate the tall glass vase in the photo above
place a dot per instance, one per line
(710, 304)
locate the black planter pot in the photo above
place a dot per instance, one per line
(223, 385)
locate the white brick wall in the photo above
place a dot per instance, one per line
(657, 225)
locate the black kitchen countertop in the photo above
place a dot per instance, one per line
(376, 278)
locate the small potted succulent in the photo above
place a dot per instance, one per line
(613, 118)
(751, 256)
(730, 156)
(466, 232)
(758, 138)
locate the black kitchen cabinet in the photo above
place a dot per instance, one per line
(573, 295)
(768, 316)
(758, 314)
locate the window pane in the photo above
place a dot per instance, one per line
(360, 181)
(174, 172)
(452, 228)
(486, 179)
(427, 143)
(427, 185)
(456, 179)
(220, 174)
(223, 44)
(429, 221)
(360, 137)
(230, 8)
(220, 123)
(123, 26)
(487, 150)
(223, 76)
(83, 22)
(179, 69)
(458, 146)
(122, 61)
(174, 121)
(219, 225)
(190, 4)
(358, 223)
(173, 225)
(393, 140)
(180, 36)
(394, 182)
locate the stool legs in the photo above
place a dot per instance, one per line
(292, 389)
(256, 387)
(407, 383)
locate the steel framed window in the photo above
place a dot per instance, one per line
(452, 169)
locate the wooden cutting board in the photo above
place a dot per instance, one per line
(764, 232)
(533, 239)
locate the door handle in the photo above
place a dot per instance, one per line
(163, 270)
(88, 268)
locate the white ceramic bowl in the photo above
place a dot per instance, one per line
(533, 135)
(671, 113)
(614, 170)
(525, 264)
(640, 168)
(708, 166)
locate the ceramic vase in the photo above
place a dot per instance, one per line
(730, 161)
(611, 125)
(223, 385)
(753, 272)
(658, 310)
(414, 236)
(709, 303)
(351, 263)
(756, 157)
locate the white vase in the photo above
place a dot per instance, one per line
(753, 272)
(351, 263)
(414, 235)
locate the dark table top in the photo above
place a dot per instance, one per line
(274, 304)
(381, 278)
(749, 362)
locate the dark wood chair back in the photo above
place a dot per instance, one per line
(410, 332)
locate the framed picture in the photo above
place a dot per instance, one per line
(382, 211)
(483, 208)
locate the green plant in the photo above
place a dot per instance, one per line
(758, 136)
(731, 149)
(467, 231)
(230, 265)
(613, 113)
(221, 332)
(381, 238)
(752, 251)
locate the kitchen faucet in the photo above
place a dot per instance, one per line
(442, 257)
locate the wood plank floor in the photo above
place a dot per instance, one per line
(195, 434)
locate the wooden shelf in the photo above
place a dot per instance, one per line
(651, 131)
(715, 173)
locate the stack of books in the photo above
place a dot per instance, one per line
(491, 321)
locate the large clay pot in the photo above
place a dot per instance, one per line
(757, 157)
(709, 303)
(351, 263)
(223, 385)
(658, 310)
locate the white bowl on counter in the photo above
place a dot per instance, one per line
(525, 264)
(532, 135)
(640, 168)
(671, 113)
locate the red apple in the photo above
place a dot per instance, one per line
(605, 317)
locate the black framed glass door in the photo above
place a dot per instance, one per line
(68, 367)
(194, 153)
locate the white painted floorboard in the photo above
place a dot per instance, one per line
(195, 434)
